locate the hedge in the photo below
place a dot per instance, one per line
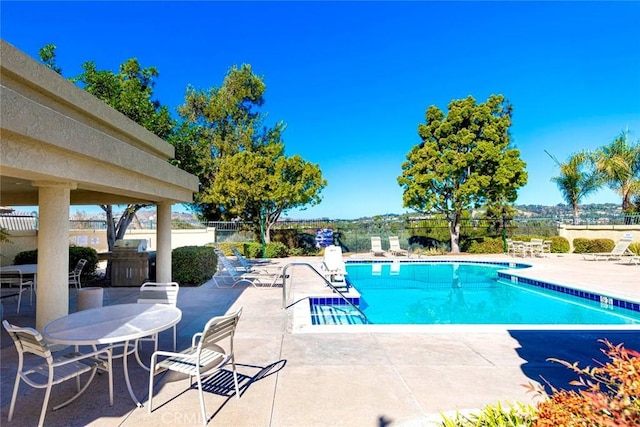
(193, 265)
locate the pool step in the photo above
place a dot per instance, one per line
(335, 315)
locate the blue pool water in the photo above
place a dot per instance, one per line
(468, 293)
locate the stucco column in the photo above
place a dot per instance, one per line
(52, 297)
(163, 237)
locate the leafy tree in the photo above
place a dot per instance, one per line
(259, 186)
(219, 123)
(578, 178)
(241, 164)
(464, 161)
(129, 91)
(619, 162)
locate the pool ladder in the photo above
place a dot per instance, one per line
(328, 283)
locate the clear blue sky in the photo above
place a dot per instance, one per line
(352, 80)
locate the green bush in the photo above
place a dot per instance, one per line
(487, 245)
(252, 250)
(75, 254)
(559, 245)
(635, 248)
(276, 250)
(580, 245)
(601, 245)
(193, 265)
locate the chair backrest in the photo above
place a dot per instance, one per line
(623, 244)
(376, 243)
(79, 266)
(159, 293)
(218, 329)
(333, 258)
(226, 264)
(394, 242)
(28, 340)
(243, 261)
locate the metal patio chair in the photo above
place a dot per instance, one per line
(53, 370)
(74, 275)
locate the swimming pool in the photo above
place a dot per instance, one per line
(468, 293)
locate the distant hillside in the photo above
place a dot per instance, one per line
(562, 209)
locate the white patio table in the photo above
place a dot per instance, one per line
(26, 270)
(113, 324)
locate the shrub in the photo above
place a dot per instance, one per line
(276, 250)
(608, 395)
(516, 415)
(487, 245)
(601, 245)
(252, 250)
(635, 248)
(193, 265)
(580, 245)
(75, 254)
(559, 245)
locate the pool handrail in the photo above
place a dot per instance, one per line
(328, 283)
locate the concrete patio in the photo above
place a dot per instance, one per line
(365, 378)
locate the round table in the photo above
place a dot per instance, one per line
(113, 324)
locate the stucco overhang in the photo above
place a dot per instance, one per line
(53, 131)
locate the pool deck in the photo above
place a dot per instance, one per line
(366, 378)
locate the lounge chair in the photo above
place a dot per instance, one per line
(333, 266)
(621, 249)
(394, 246)
(254, 279)
(247, 267)
(376, 246)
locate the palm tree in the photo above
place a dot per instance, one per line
(578, 178)
(619, 162)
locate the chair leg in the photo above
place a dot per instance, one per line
(235, 376)
(47, 394)
(15, 391)
(202, 408)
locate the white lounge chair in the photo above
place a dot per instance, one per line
(333, 266)
(254, 279)
(394, 246)
(376, 246)
(621, 249)
(205, 356)
(251, 268)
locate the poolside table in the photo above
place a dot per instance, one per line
(114, 325)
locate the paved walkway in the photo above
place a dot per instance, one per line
(372, 379)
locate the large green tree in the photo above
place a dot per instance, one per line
(578, 178)
(619, 162)
(261, 185)
(241, 164)
(465, 160)
(129, 91)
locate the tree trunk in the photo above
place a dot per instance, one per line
(454, 230)
(575, 215)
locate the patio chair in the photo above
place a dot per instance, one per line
(333, 266)
(205, 356)
(14, 278)
(253, 278)
(394, 246)
(621, 249)
(376, 246)
(53, 370)
(159, 293)
(74, 275)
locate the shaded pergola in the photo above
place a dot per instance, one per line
(61, 146)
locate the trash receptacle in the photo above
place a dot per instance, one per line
(152, 266)
(89, 298)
